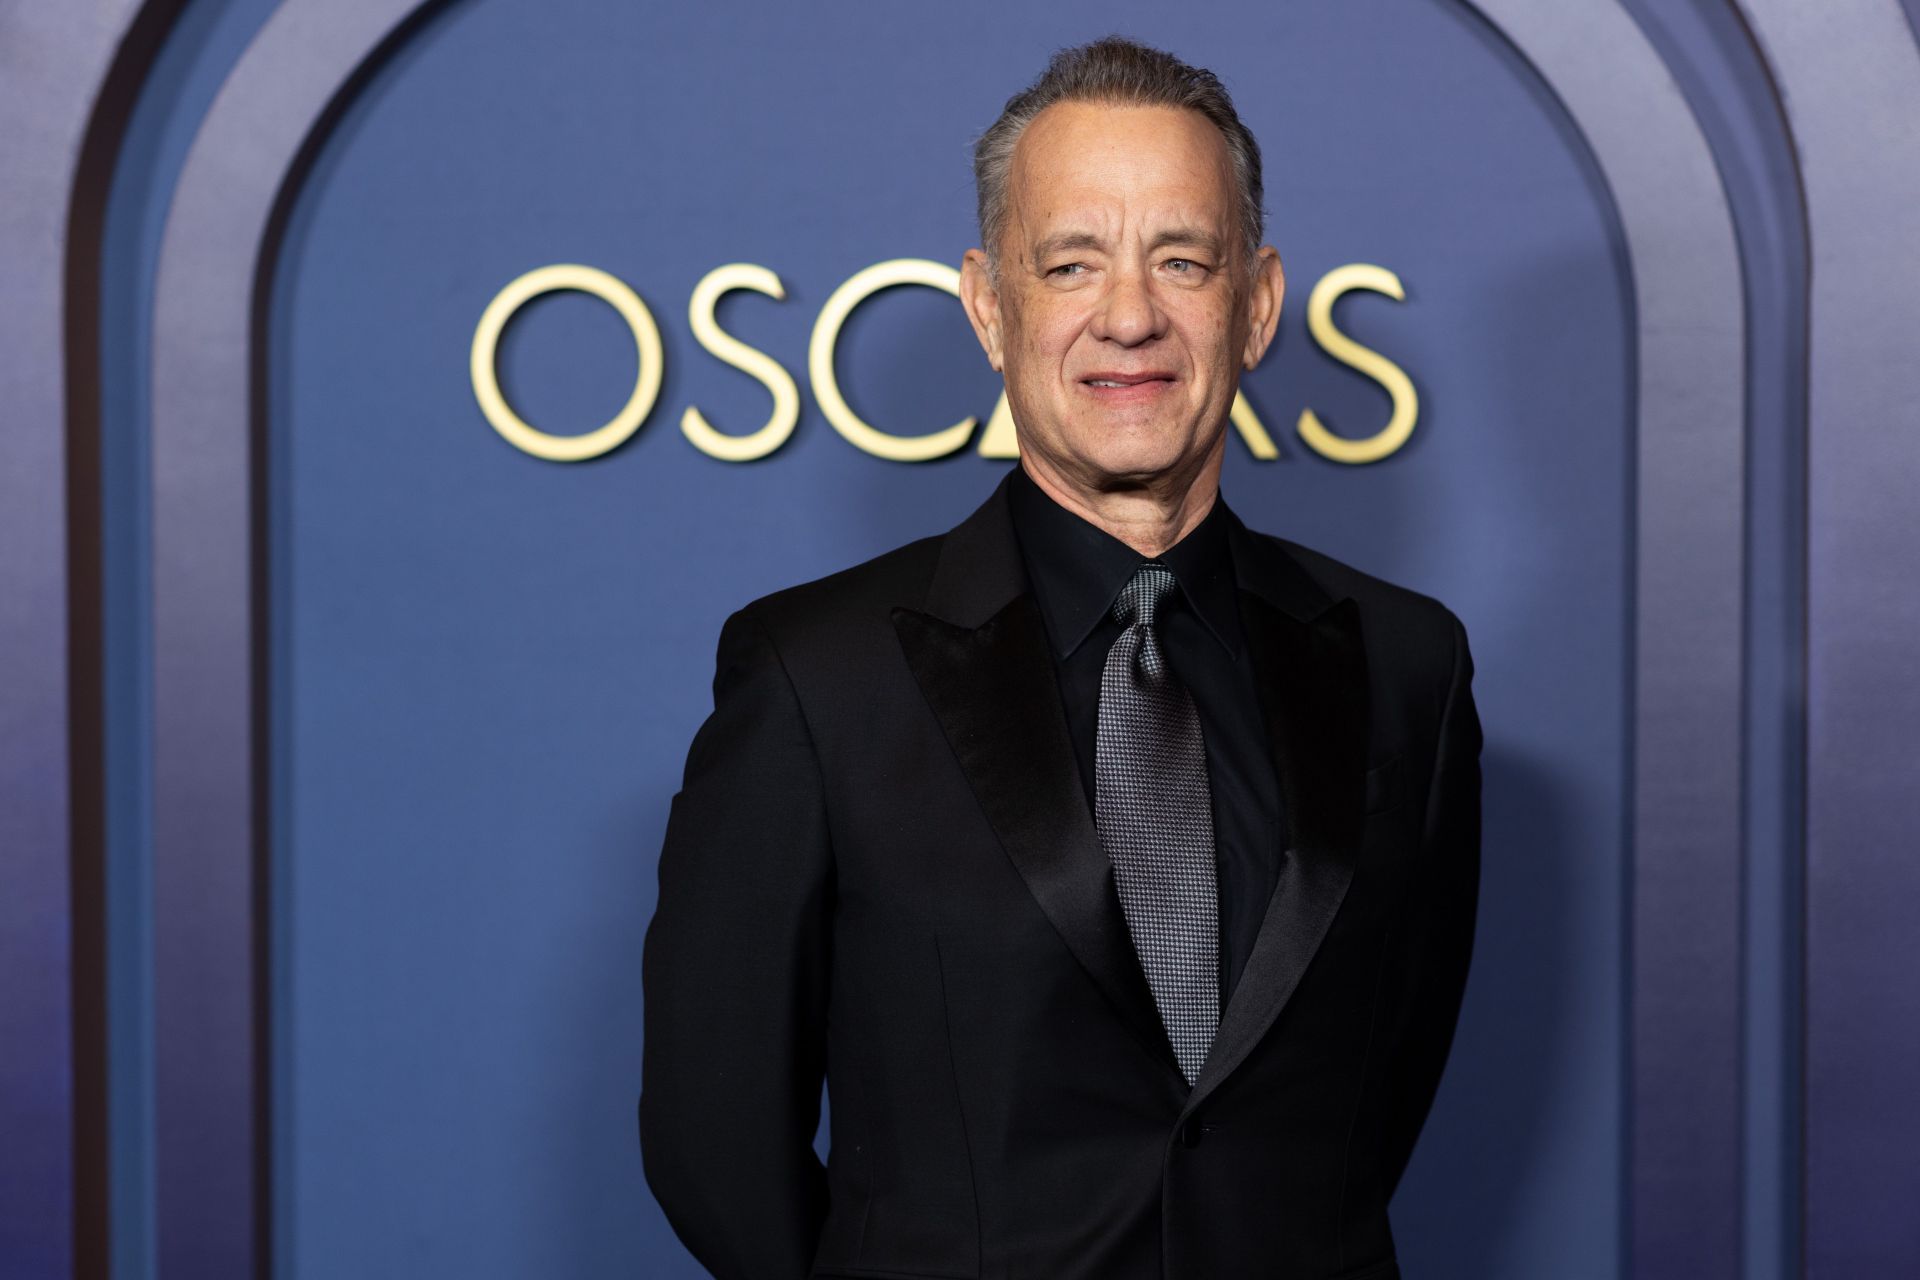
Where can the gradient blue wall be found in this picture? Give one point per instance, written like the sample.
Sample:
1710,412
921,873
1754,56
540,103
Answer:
484,668
492,664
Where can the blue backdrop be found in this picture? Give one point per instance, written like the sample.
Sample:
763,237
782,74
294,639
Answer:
491,665
329,873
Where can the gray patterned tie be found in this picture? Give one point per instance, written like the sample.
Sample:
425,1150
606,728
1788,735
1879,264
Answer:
1153,809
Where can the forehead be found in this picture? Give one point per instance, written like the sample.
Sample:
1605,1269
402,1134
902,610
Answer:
1095,160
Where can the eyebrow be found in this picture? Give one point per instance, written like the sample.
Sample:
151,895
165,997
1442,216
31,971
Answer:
1071,240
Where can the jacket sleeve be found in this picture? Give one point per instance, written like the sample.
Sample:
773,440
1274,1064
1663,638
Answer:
1437,936
734,972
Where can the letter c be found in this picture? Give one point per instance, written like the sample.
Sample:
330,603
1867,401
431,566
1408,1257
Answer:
826,387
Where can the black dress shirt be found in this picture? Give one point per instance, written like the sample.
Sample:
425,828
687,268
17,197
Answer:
1077,570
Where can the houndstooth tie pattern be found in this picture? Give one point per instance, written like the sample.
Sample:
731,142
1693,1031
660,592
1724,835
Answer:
1153,808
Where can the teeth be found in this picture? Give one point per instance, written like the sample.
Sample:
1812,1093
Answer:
1098,382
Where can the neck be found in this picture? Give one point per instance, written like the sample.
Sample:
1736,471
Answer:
1148,516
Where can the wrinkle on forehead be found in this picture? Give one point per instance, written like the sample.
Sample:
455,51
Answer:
1100,171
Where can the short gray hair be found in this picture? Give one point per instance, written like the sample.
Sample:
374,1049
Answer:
1120,72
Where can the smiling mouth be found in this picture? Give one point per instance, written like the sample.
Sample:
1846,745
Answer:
1128,387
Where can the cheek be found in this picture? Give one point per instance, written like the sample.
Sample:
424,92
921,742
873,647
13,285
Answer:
1209,341
1047,338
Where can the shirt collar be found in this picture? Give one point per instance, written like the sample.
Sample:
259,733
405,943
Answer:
1078,568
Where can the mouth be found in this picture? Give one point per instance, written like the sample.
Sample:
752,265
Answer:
1115,387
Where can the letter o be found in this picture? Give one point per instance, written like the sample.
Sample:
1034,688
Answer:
486,381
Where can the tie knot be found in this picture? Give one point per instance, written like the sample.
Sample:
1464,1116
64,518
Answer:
1139,600
1134,609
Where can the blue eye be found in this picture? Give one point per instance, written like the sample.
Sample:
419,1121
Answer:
1064,267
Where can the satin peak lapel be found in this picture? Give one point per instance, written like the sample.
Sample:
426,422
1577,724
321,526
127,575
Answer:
991,685
1311,669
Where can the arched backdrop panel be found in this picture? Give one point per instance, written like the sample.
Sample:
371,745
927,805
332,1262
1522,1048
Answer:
486,667
417,699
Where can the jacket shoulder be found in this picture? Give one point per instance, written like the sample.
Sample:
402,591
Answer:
1396,619
857,596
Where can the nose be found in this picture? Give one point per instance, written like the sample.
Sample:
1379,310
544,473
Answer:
1128,312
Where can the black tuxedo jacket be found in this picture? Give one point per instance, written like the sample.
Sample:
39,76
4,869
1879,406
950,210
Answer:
881,867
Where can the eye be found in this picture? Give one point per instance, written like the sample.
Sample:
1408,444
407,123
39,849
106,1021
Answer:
1184,266
1065,268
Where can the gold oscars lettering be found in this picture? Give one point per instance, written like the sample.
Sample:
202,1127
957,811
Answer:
996,440
756,364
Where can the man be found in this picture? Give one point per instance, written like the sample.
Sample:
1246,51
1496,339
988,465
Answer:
1115,864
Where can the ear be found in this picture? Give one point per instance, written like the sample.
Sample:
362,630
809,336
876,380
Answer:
982,303
1263,305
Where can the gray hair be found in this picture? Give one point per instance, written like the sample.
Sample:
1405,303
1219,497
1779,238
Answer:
1120,72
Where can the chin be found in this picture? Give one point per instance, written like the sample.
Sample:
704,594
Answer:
1134,460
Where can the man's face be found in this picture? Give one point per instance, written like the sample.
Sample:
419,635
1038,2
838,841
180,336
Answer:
1124,309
